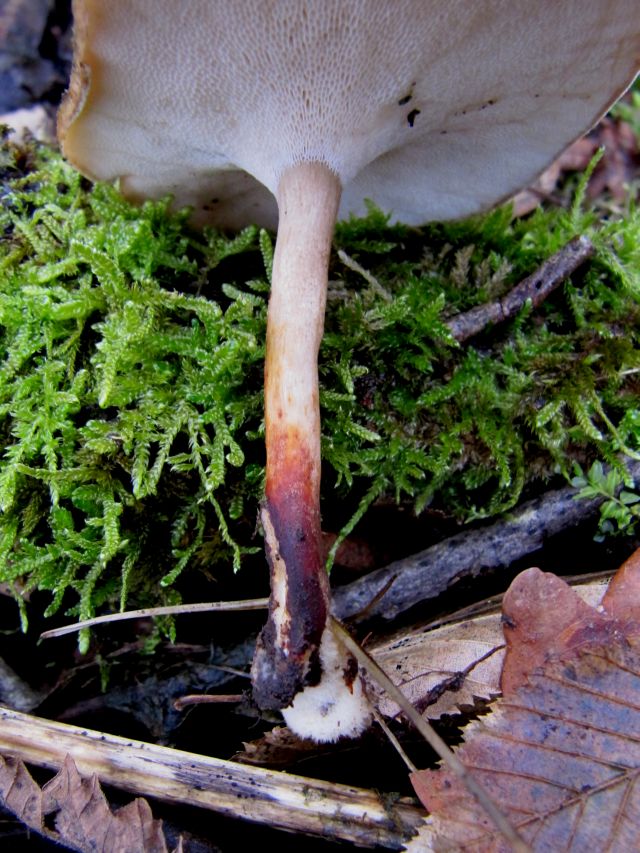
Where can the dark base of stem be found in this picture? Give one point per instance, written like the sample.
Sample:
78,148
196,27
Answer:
277,677
287,657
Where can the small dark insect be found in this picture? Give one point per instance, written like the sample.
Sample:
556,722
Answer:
412,117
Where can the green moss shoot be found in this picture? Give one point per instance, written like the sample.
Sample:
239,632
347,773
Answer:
131,353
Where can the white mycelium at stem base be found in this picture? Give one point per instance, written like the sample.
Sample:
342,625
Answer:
337,706
289,657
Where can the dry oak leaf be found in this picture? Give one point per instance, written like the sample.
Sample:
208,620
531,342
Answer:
620,163
560,752
83,818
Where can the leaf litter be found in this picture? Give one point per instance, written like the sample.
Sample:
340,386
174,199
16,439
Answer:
83,818
560,751
451,667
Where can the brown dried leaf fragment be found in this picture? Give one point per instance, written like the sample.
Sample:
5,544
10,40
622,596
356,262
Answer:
620,163
453,666
562,756
622,598
544,618
20,794
575,158
539,612
279,747
561,751
617,169
83,818
440,671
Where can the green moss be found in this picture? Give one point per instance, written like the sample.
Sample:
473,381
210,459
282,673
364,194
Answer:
131,353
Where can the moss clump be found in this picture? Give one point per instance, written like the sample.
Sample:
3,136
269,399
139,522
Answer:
131,353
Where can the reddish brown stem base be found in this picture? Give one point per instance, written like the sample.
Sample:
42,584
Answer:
287,655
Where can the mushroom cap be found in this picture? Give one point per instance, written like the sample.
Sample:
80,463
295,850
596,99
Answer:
433,110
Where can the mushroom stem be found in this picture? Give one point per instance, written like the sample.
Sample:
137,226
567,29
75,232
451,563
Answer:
287,654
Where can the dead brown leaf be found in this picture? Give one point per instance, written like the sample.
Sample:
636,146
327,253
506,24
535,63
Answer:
453,666
622,598
561,751
543,617
540,613
443,670
616,170
619,165
83,818
276,748
354,552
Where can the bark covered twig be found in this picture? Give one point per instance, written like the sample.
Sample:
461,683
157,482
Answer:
422,577
534,289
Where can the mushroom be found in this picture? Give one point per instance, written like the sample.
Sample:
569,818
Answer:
296,111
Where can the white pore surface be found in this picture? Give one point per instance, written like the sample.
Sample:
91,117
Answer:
433,109
331,709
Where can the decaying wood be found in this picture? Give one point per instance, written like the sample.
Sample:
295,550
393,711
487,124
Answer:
534,289
391,590
280,800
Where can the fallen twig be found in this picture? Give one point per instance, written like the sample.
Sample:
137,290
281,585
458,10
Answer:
281,800
426,575
169,610
534,288
207,699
